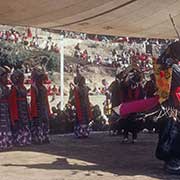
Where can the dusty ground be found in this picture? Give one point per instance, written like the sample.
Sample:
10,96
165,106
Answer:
99,157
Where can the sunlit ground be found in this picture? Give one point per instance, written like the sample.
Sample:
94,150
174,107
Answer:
100,157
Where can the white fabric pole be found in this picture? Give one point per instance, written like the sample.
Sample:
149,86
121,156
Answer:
62,70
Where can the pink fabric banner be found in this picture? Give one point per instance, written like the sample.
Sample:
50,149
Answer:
138,106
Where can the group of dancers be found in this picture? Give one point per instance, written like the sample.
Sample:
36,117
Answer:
22,124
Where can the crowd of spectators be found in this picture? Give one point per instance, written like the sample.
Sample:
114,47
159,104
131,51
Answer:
114,39
117,57
129,48
28,39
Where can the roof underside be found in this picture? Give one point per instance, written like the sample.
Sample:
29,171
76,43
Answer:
135,18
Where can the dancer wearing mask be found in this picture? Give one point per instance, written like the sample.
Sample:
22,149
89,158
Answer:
5,124
40,111
81,102
20,115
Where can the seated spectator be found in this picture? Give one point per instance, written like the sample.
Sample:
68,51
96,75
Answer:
12,38
56,49
54,92
1,34
29,33
77,47
105,85
8,34
70,68
114,52
85,55
96,91
16,36
25,41
52,46
46,46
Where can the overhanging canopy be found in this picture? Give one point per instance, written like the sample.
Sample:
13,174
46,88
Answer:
138,18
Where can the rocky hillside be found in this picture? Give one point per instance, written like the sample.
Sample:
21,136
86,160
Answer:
19,53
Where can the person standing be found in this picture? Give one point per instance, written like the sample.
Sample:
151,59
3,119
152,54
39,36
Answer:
83,109
19,110
134,92
54,92
116,90
40,111
5,124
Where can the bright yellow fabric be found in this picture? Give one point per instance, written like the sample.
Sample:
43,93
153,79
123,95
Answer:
163,83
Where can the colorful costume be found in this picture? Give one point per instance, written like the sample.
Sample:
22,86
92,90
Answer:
5,124
20,115
81,128
168,148
39,110
82,105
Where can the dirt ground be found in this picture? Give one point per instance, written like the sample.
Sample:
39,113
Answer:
99,157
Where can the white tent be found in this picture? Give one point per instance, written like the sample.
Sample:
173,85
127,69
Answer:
139,18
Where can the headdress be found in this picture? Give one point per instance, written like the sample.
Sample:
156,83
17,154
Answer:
38,74
16,75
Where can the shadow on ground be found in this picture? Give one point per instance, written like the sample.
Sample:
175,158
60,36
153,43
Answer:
103,154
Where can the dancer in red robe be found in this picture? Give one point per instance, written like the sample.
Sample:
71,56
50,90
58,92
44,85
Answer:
19,110
40,111
83,109
5,124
